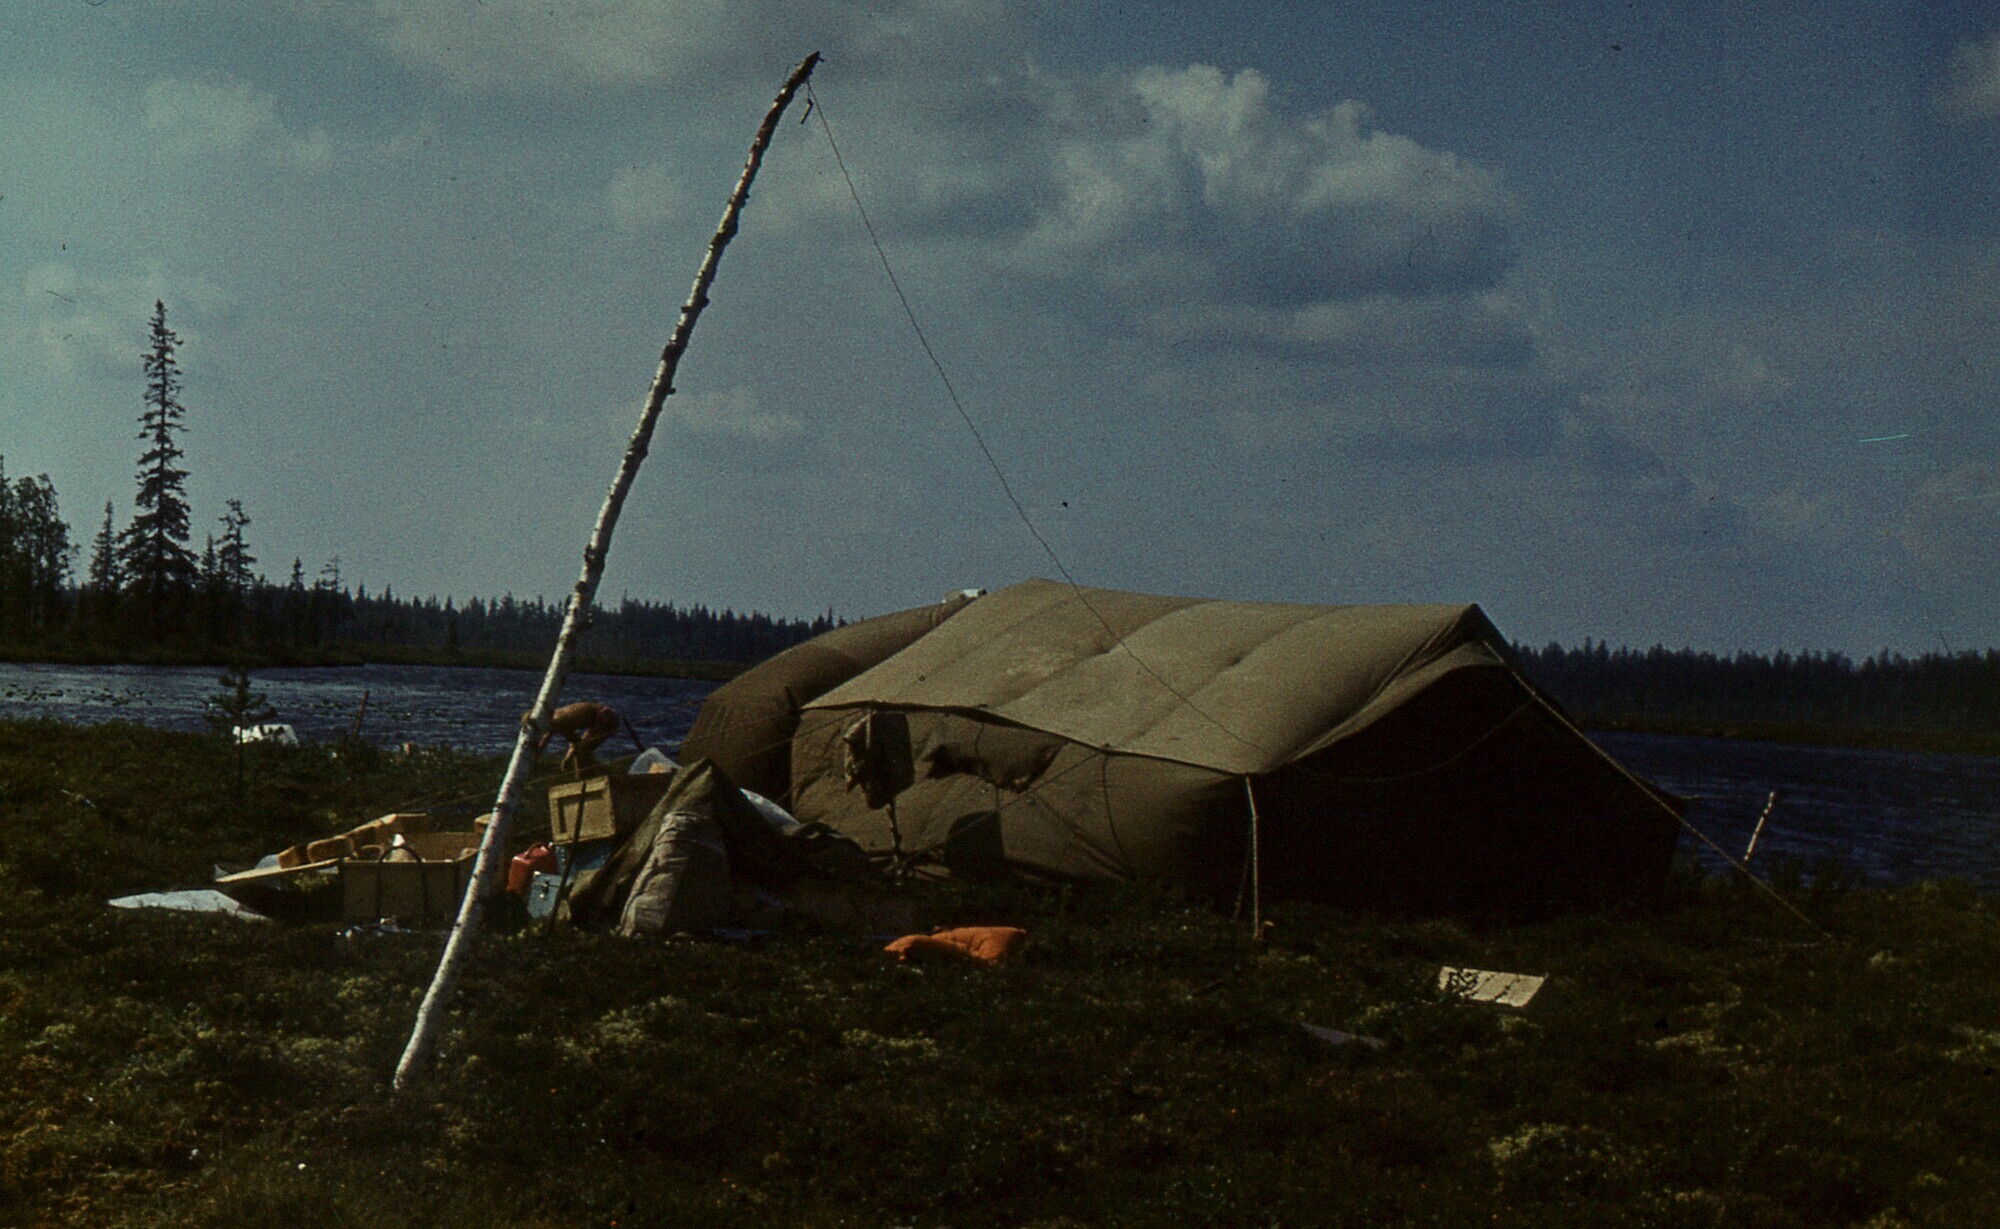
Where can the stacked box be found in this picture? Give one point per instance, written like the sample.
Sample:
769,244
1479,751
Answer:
602,807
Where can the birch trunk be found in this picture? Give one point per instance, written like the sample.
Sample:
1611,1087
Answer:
492,849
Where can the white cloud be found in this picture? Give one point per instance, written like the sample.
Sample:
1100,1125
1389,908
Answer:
733,413
227,116
1970,90
531,46
73,322
519,45
1193,187
1325,276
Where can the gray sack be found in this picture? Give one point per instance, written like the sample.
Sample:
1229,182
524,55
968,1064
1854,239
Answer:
682,885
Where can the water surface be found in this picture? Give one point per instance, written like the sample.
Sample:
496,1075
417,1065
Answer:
1897,816
473,708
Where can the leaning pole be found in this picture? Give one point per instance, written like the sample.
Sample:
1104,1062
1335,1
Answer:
485,870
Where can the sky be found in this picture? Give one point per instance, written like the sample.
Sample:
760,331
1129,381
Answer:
1664,323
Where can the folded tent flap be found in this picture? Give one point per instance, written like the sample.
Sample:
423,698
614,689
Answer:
1009,756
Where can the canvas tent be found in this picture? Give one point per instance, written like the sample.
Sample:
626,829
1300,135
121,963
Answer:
746,726
1392,755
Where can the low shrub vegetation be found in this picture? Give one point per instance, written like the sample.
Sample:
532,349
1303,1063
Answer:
1709,1061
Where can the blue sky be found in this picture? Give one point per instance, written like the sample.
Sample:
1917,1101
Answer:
1664,323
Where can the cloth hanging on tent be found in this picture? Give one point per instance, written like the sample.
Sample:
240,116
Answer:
877,757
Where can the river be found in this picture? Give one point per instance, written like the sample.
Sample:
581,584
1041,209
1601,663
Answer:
476,709
1896,816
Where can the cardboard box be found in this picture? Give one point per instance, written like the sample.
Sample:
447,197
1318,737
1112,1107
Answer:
600,807
423,879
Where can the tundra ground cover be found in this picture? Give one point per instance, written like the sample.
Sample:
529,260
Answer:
1709,1062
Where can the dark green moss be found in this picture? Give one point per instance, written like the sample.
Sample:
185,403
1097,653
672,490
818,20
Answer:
1712,1061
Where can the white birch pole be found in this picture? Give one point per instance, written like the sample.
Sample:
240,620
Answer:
492,849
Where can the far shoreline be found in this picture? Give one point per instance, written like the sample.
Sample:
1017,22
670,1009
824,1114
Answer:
1792,733
366,655
1796,733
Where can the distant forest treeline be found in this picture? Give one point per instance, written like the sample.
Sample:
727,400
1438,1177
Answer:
629,629
219,607
301,619
1935,691
146,593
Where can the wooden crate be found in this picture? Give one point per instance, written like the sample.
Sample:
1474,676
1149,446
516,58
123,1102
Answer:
600,807
375,832
424,880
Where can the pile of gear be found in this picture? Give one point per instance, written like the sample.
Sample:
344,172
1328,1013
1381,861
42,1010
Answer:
666,850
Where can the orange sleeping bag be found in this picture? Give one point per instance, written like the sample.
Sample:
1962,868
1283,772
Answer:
988,945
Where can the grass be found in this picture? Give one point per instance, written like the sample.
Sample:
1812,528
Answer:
1709,1062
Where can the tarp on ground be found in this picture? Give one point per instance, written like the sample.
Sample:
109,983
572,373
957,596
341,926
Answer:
1393,755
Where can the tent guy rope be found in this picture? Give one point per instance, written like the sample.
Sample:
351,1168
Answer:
992,463
492,849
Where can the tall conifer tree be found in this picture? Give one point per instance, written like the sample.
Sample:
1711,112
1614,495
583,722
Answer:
153,552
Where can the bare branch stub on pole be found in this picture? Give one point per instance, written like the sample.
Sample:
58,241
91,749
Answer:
492,849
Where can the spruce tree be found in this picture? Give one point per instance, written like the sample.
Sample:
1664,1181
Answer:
102,578
41,540
153,552
294,611
233,558
213,594
13,562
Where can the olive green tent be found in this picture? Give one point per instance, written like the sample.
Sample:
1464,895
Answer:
746,725
1373,755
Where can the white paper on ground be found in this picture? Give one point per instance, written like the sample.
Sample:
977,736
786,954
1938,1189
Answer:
1487,986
